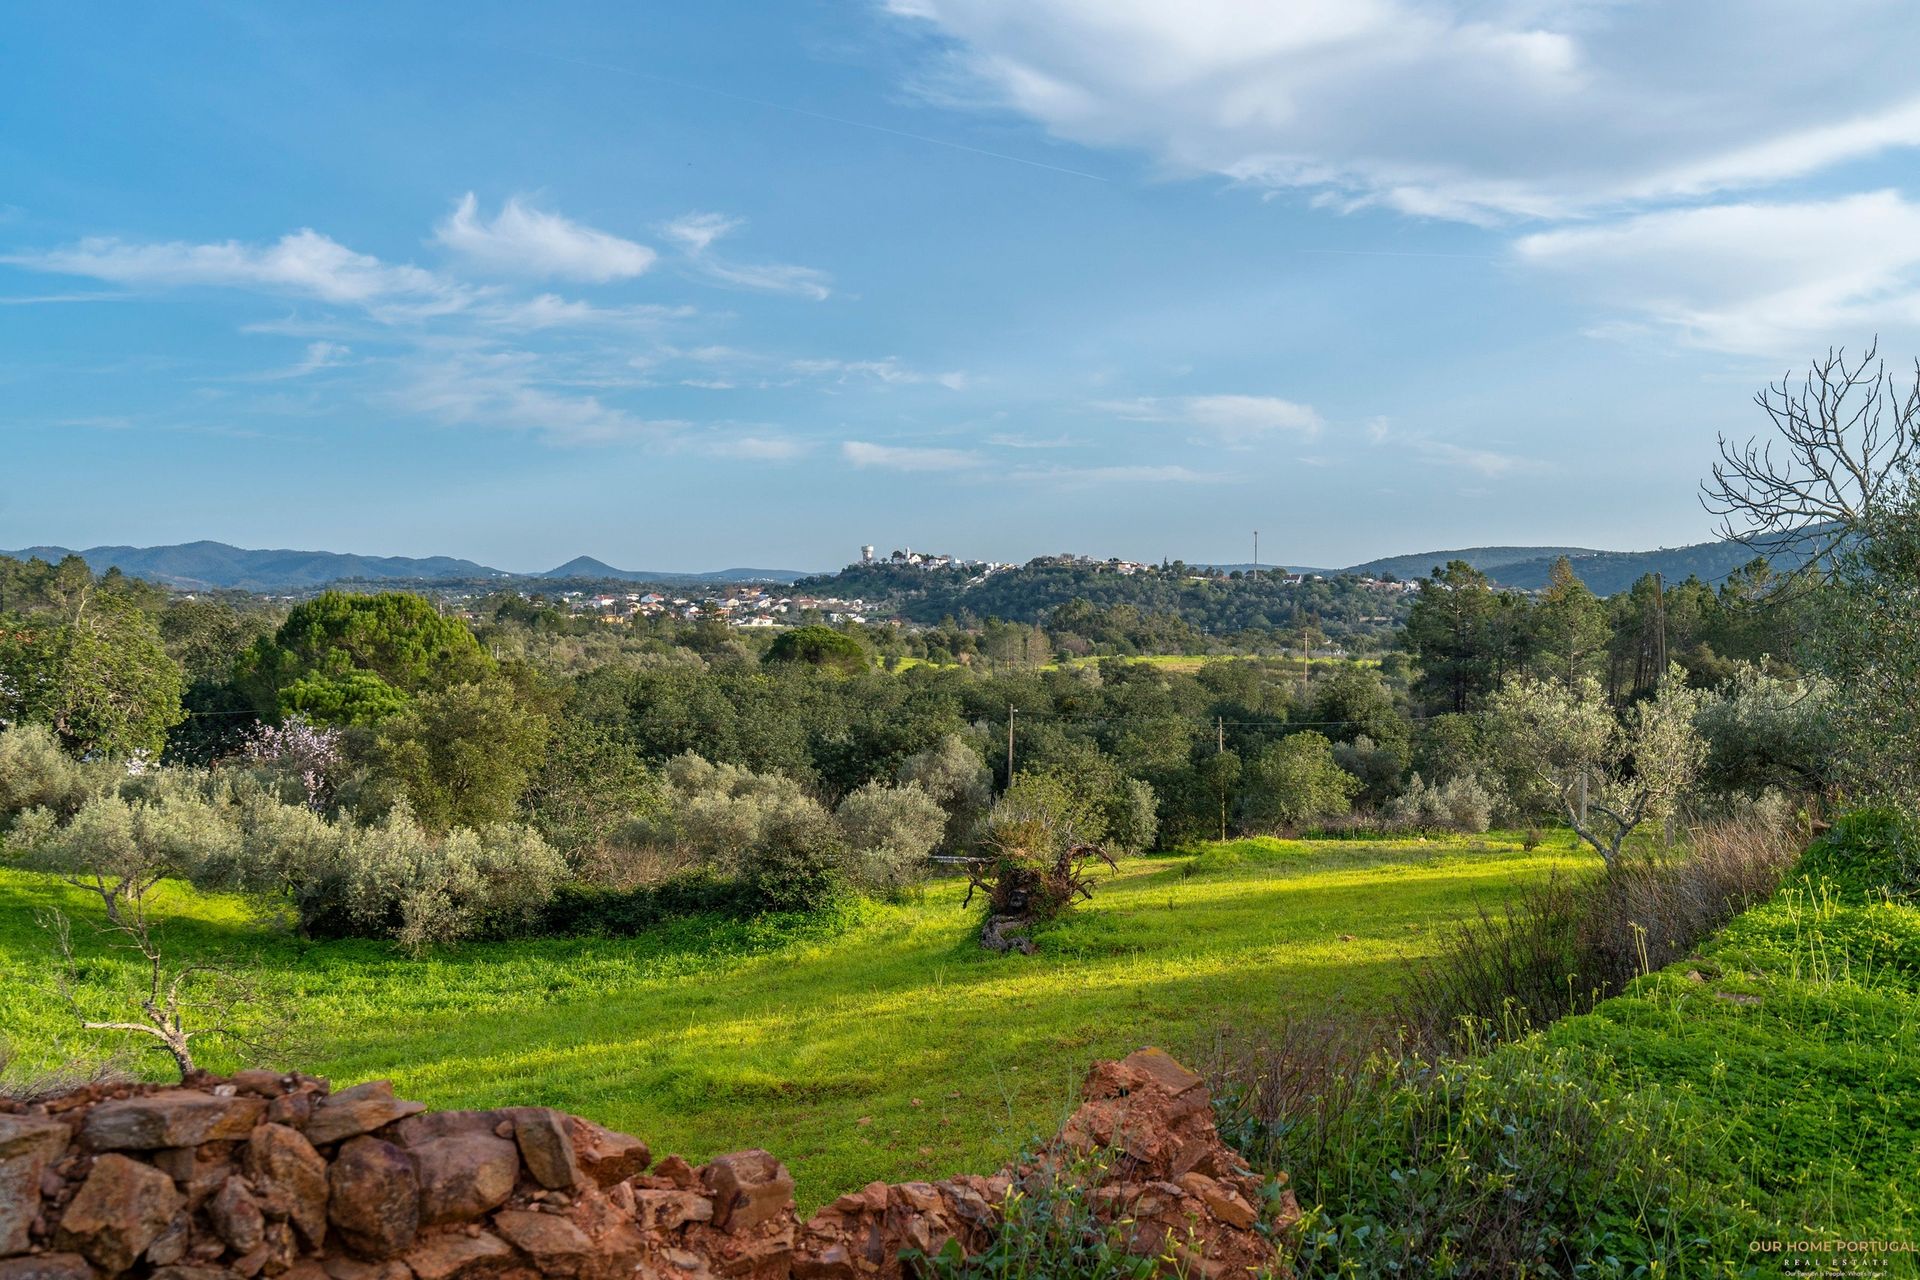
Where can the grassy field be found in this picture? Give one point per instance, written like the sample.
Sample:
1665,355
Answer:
884,1046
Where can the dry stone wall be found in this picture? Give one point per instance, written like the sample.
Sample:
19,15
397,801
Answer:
263,1174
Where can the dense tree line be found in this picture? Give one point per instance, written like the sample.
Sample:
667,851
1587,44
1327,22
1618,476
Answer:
1258,610
526,749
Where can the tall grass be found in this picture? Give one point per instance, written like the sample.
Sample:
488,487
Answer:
1761,1090
1508,1163
1565,944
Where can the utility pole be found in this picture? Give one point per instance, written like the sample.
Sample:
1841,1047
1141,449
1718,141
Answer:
1256,551
1660,628
1010,714
1306,661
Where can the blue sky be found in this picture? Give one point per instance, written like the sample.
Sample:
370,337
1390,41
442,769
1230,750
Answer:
687,286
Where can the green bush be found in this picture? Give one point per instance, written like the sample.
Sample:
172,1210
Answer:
1869,851
889,833
797,863
36,774
1049,1231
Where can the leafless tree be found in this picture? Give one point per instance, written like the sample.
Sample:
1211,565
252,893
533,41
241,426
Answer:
177,1004
1844,439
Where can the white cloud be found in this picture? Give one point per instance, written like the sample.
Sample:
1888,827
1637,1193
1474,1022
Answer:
1449,108
759,448
319,355
530,242
1145,473
696,233
505,390
1759,279
551,311
1486,462
1230,419
889,371
861,453
304,262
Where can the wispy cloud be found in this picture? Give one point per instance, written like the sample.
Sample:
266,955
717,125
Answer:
319,355
1487,462
887,457
551,311
1228,419
889,371
1145,473
505,390
696,233
524,241
759,448
302,263
1448,109
1767,279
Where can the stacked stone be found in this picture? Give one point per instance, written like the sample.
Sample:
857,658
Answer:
263,1174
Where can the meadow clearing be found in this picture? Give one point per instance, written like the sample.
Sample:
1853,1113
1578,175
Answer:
880,1042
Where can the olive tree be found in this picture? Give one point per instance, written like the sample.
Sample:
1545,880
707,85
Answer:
889,833
1605,773
1296,780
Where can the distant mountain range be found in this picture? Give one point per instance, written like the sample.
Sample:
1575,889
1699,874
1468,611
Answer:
210,566
586,568
1604,572
206,566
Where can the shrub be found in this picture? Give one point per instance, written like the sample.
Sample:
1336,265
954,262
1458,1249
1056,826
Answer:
1869,852
1048,1230
1565,944
796,865
398,880
36,774
1517,1162
1296,780
953,773
120,848
889,833
625,913
1462,804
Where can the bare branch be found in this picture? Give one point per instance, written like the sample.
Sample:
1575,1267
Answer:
1845,435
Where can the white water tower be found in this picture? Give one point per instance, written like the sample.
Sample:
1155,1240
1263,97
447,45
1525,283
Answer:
866,554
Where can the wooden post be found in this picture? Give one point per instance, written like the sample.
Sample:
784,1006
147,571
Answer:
1010,714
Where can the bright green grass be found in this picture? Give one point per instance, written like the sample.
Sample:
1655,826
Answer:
1791,1047
889,1048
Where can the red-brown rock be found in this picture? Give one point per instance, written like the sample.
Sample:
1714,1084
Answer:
605,1156
748,1188
197,1171
668,1209
283,1165
120,1209
355,1111
169,1118
440,1257
464,1176
546,1146
236,1216
373,1197
46,1266
551,1242
28,1144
